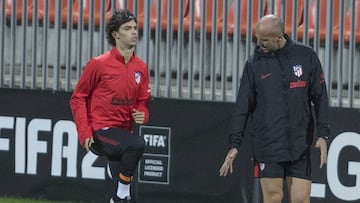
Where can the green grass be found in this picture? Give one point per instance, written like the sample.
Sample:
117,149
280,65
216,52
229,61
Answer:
24,200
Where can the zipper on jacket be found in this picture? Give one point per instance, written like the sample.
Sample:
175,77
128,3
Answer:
285,95
127,88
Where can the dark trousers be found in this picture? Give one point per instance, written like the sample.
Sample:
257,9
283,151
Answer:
122,149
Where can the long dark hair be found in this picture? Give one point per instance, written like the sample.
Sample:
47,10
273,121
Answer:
117,19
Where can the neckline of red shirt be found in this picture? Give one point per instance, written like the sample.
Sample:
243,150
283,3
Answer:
120,57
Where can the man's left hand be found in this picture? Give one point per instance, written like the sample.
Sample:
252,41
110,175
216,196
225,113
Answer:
322,145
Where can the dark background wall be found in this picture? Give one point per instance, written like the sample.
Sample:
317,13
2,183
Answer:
41,158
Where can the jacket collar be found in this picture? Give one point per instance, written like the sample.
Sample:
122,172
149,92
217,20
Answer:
120,57
284,50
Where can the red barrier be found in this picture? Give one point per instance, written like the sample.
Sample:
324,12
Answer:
208,16
322,25
288,13
347,22
243,16
19,8
164,13
96,9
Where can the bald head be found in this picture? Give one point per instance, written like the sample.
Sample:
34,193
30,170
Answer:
270,25
270,33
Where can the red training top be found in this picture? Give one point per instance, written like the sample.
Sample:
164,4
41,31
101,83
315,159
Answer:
108,91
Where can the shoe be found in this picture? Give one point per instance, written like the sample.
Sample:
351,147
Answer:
116,199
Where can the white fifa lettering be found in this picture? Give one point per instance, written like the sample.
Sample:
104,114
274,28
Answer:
20,145
154,140
28,146
35,146
88,170
59,151
5,123
348,193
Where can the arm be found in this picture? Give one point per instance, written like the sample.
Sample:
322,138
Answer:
141,109
244,105
321,105
79,100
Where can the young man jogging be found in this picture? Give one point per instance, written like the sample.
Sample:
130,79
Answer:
111,95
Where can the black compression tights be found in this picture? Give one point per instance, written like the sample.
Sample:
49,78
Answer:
123,150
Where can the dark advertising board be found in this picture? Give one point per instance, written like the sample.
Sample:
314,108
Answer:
155,164
186,142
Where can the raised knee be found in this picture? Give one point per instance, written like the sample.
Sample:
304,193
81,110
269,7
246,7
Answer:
139,145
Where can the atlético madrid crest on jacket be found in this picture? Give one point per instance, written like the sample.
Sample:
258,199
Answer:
298,70
137,76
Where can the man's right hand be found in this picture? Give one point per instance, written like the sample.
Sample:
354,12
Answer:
87,143
228,163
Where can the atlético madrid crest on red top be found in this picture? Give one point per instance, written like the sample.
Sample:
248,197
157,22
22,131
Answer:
137,76
298,70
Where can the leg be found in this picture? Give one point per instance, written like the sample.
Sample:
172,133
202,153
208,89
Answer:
299,190
126,165
271,180
298,180
272,189
123,151
132,155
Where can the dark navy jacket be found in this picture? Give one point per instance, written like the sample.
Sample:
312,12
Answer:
277,92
